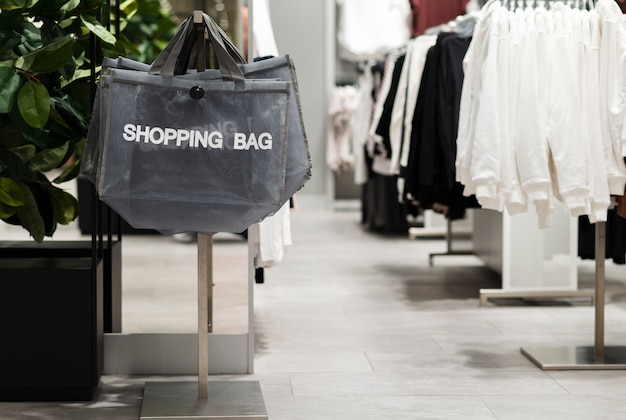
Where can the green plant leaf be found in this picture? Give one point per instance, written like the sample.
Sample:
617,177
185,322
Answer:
97,28
9,86
64,206
6,211
69,6
29,215
71,111
8,40
48,159
129,7
55,116
13,4
31,35
69,173
25,153
128,45
33,102
11,193
78,74
65,23
48,58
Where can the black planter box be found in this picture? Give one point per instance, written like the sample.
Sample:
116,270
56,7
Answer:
52,329
111,262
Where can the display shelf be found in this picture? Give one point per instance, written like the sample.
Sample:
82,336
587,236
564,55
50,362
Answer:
533,262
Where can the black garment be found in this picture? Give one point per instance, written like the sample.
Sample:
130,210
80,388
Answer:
450,83
384,122
380,209
615,247
430,176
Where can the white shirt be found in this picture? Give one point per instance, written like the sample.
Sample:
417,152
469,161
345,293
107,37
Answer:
339,157
612,76
486,153
404,104
601,194
371,28
472,85
565,117
360,121
419,49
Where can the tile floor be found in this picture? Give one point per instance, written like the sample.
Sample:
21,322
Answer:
354,325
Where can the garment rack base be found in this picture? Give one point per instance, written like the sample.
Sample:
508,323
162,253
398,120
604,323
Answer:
576,357
486,294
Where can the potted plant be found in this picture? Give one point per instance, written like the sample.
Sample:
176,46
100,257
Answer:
50,51
45,74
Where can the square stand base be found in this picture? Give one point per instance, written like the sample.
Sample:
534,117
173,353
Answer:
228,400
576,358
535,294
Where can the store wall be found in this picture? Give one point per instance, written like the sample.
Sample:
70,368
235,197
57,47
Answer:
305,31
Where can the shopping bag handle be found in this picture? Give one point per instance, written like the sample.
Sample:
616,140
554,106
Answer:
170,61
219,33
174,59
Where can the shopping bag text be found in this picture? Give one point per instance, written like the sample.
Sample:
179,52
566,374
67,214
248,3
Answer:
194,138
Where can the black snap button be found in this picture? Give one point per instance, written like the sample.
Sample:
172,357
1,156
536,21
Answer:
196,92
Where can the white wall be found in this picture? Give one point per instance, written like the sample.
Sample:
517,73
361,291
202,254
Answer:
305,31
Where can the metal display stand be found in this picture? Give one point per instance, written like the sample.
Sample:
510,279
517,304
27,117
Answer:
597,357
218,400
449,250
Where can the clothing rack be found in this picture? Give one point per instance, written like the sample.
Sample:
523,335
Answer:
528,286
598,356
449,250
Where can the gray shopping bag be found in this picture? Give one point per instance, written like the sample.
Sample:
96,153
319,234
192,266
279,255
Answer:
204,152
175,60
190,155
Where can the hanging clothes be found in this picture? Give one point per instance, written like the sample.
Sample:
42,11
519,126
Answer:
542,109
417,98
369,29
264,42
381,143
272,235
339,156
271,238
615,247
361,118
404,103
402,123
429,177
380,209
